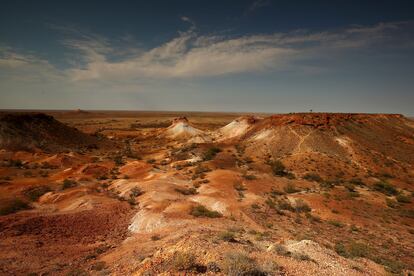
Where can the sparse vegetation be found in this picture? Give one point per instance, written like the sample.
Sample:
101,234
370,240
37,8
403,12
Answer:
313,177
136,191
301,256
228,236
186,191
301,206
290,188
118,160
357,249
211,153
278,168
34,193
17,163
282,250
240,189
202,211
336,223
402,198
238,263
184,261
67,183
385,188
352,250
249,176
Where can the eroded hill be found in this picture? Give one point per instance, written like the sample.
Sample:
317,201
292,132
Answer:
22,131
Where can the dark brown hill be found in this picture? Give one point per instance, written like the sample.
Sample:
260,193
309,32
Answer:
30,131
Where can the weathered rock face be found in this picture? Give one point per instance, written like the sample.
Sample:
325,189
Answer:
181,129
357,139
28,131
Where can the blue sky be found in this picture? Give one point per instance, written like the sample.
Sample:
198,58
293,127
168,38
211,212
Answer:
254,56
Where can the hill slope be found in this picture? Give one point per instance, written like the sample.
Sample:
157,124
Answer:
23,131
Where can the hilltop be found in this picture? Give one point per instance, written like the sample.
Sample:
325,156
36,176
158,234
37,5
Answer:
30,131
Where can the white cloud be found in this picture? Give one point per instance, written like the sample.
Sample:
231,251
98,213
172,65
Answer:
190,55
24,67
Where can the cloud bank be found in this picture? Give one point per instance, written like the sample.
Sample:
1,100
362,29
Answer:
191,55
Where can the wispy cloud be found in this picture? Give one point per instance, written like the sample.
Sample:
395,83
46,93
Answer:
257,4
191,55
26,67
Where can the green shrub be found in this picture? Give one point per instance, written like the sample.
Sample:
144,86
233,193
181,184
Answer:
392,266
260,236
313,218
15,163
239,187
238,263
211,153
301,256
282,250
14,206
136,191
353,194
228,236
357,181
357,249
118,160
131,200
184,261
186,191
249,177
385,188
336,223
98,266
200,169
202,211
67,183
403,198
350,187
341,250
34,193
278,168
313,177
284,205
290,188
353,250
301,206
